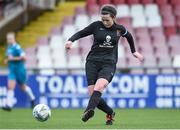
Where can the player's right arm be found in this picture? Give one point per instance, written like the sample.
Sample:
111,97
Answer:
80,34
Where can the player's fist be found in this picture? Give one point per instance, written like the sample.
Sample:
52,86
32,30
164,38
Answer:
68,45
138,55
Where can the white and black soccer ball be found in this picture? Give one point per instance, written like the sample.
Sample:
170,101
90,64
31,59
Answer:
41,112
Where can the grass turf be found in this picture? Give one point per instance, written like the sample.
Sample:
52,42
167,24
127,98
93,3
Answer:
70,119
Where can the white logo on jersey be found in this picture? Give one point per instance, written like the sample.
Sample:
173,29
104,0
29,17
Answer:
101,28
108,41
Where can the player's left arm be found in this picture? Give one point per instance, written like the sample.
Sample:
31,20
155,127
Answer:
125,33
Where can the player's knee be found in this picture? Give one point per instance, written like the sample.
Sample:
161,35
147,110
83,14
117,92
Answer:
101,85
11,84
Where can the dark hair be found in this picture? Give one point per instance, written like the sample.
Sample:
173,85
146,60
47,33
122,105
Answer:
108,9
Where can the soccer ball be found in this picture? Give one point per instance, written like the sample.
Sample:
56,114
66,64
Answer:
41,112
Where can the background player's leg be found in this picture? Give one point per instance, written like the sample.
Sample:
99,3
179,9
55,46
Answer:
102,104
10,92
29,92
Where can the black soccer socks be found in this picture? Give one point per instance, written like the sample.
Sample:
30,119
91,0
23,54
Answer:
104,107
94,100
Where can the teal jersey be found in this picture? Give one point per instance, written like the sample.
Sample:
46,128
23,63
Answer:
15,51
17,69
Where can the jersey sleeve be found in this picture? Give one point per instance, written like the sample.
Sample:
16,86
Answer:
125,33
123,30
84,32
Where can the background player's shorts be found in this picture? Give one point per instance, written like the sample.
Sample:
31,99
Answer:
17,74
96,70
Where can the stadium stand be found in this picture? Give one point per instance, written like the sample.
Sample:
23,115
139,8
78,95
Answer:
155,25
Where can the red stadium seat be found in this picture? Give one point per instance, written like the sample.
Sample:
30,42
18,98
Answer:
175,2
130,2
93,9
161,2
170,30
166,10
91,2
117,2
147,1
177,10
102,2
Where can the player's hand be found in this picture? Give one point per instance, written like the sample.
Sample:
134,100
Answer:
68,45
10,58
138,55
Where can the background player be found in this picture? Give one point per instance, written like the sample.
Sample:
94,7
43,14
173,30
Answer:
17,71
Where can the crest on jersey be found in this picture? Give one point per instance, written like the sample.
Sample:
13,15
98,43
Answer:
118,32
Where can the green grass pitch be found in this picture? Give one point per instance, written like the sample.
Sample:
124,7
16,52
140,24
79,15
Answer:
71,119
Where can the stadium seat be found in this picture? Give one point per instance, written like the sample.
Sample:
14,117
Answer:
55,31
121,63
136,23
154,21
176,61
93,9
177,10
68,20
102,2
78,21
161,2
118,2
146,1
167,71
132,62
151,10
152,71
42,41
132,2
68,31
123,11
149,62
94,18
56,41
74,62
137,10
164,61
175,2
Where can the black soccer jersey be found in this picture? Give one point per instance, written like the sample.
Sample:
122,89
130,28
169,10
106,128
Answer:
105,45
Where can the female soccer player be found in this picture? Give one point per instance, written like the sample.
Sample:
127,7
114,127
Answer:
102,58
17,71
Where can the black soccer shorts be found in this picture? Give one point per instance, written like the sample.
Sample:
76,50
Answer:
96,70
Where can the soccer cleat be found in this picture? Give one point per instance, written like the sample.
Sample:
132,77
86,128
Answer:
32,103
109,119
6,108
87,115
